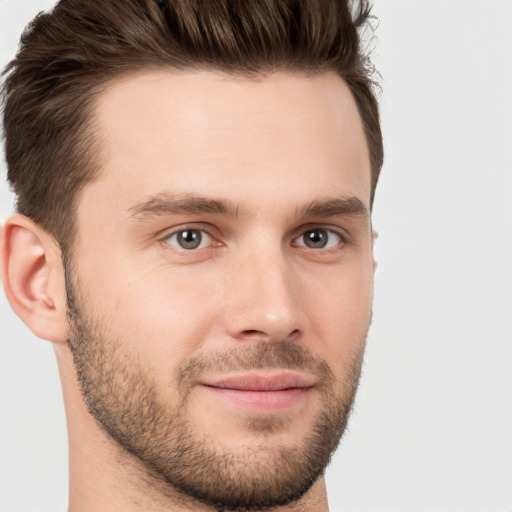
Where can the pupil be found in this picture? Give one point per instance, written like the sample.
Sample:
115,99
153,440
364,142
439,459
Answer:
316,239
189,239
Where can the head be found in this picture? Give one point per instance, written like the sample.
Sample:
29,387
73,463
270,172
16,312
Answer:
205,172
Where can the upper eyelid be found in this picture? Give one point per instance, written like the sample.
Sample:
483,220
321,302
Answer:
342,238
164,240
216,234
169,231
342,233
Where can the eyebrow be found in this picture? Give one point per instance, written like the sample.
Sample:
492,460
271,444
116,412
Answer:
340,206
170,204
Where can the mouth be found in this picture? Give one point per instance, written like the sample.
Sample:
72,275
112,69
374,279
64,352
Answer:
262,391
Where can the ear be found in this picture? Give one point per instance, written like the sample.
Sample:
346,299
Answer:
33,278
375,235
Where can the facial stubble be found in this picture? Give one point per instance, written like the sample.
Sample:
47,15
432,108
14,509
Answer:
124,399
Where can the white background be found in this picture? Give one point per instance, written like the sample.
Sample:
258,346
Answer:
432,427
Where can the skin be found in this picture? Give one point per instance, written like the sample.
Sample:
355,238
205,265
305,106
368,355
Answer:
270,147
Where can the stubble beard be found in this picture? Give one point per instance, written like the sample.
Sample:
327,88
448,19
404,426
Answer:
125,401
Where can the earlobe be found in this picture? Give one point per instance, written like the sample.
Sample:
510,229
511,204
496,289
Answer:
375,235
33,278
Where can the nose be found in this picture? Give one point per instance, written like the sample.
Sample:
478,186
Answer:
264,299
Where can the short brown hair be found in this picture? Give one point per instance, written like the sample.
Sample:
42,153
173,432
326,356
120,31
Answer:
69,54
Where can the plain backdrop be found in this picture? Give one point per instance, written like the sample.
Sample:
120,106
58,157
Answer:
432,426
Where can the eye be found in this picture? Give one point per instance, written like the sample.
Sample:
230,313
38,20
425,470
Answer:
318,238
189,239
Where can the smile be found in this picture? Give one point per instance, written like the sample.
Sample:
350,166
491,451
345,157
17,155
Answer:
262,392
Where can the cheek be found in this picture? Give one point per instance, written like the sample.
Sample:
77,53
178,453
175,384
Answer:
340,307
164,316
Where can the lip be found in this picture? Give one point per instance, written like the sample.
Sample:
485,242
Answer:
261,391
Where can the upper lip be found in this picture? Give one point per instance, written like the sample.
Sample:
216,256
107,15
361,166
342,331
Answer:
260,381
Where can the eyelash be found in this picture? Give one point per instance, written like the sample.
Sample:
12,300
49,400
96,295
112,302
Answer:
201,229
343,240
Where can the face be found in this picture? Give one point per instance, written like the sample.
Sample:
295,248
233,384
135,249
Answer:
220,287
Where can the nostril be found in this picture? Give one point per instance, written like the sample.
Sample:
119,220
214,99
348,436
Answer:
293,335
253,332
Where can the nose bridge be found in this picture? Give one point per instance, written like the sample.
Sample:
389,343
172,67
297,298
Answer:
265,296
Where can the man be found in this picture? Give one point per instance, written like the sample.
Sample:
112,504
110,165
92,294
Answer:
194,185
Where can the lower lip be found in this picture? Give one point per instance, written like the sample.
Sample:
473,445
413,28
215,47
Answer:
262,400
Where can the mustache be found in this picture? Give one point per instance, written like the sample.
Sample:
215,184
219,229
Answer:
257,356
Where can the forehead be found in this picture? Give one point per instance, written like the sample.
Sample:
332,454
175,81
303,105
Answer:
218,135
